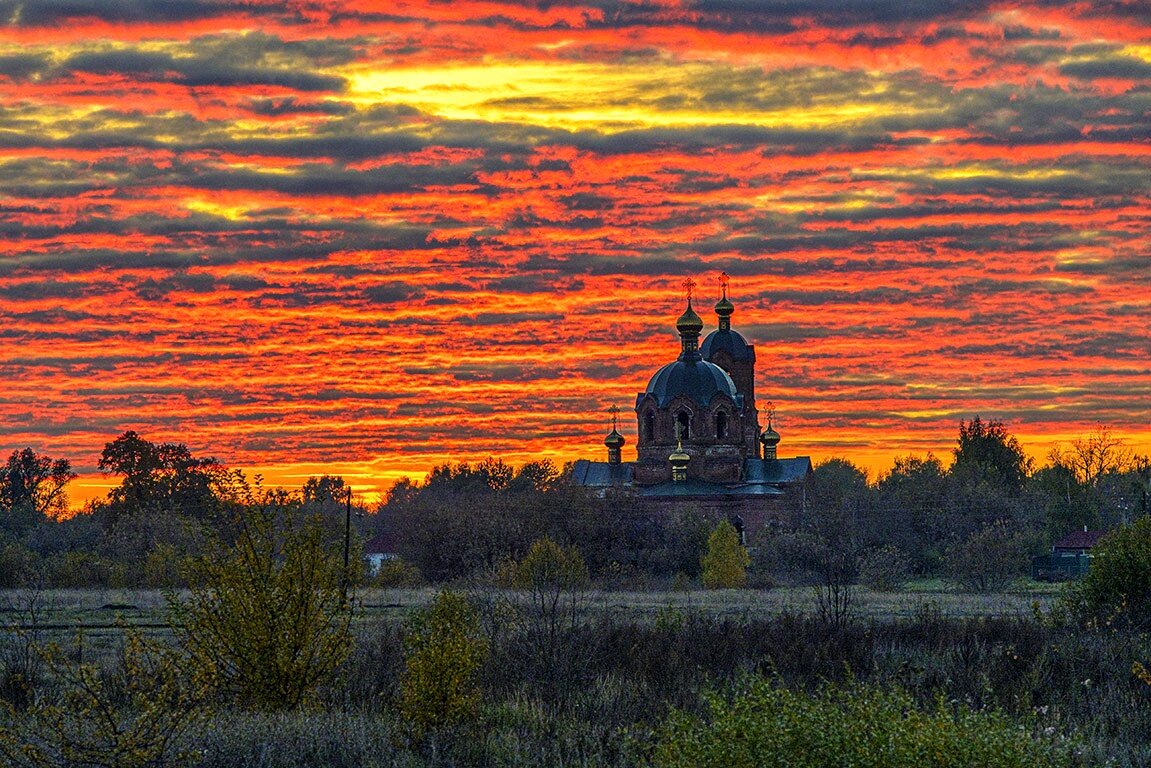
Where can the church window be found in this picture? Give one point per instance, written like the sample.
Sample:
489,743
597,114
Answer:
649,426
721,424
682,420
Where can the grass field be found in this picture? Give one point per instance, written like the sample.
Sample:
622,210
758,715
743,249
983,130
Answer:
102,611
638,655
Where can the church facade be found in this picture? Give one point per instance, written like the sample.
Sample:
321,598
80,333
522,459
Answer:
700,442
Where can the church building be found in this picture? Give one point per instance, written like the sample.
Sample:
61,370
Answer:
700,442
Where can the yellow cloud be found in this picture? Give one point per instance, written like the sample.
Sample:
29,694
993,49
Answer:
576,96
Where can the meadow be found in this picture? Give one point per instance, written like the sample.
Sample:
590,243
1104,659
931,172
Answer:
606,690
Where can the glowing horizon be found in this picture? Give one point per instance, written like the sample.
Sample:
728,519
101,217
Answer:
366,238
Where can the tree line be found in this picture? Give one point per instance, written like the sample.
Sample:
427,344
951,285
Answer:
976,518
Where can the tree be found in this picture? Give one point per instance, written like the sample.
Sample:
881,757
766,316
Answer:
725,563
555,580
1095,456
264,614
88,723
987,559
988,452
158,477
913,510
32,487
1116,591
839,499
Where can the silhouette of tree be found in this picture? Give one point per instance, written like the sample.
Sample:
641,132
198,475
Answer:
32,487
987,452
158,477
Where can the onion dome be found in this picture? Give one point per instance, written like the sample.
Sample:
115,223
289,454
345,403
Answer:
725,309
723,338
770,439
614,439
689,323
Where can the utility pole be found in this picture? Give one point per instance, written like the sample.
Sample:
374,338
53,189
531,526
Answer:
347,549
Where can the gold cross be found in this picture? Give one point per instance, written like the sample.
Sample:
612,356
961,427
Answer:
688,284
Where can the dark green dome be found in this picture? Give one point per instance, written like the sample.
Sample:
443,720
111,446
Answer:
697,379
614,439
729,341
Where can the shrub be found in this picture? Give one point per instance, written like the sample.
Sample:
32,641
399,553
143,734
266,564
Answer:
444,649
397,572
725,563
763,724
884,569
987,559
264,616
1117,587
134,720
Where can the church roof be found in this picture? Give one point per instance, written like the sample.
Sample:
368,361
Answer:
697,379
601,474
761,477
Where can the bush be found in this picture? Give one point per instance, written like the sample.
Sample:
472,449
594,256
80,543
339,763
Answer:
725,563
884,569
397,572
443,651
264,617
987,559
763,724
88,723
1117,587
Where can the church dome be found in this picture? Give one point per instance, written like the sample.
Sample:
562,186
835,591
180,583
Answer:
697,379
728,341
689,322
614,439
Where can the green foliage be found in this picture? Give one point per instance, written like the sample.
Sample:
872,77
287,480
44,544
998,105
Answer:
469,518
988,452
550,567
397,572
725,563
987,559
858,726
444,649
17,564
838,496
1117,588
135,721
264,615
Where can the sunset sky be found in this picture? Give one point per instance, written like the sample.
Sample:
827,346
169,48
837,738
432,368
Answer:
365,238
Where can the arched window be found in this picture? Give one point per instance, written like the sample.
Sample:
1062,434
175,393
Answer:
721,424
649,426
682,421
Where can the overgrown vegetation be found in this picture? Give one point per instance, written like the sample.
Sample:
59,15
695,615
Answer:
855,725
264,619
724,564
259,666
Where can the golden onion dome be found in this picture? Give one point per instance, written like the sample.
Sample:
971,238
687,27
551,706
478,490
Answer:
614,439
724,308
689,322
